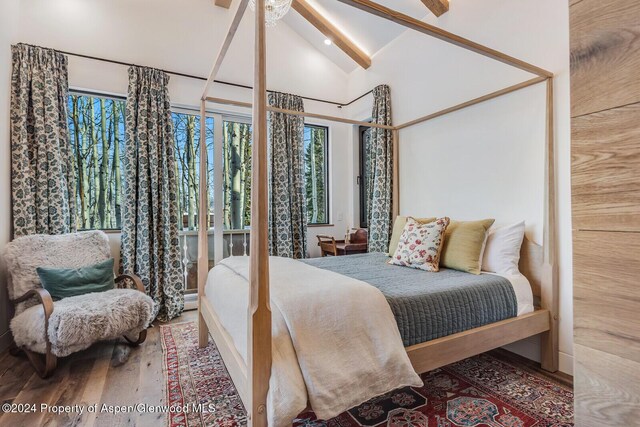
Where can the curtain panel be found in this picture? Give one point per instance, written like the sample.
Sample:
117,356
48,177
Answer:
380,173
150,242
42,170
287,204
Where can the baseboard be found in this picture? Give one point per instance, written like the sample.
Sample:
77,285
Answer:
565,363
5,341
530,348
190,302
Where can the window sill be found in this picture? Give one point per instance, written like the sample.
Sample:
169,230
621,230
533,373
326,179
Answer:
319,225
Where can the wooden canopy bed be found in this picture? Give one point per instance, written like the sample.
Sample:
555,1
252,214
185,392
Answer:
538,263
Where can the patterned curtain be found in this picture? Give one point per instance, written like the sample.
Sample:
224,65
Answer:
380,173
150,243
42,175
287,205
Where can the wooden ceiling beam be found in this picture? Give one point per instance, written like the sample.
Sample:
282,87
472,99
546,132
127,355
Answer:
225,3
437,7
330,31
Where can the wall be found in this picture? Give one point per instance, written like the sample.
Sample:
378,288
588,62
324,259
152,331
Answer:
605,110
485,161
8,13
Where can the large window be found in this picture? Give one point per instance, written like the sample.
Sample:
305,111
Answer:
96,127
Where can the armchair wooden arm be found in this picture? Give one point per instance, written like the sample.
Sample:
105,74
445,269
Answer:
45,367
122,279
327,245
132,277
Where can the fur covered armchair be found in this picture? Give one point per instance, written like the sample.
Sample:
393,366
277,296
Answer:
46,329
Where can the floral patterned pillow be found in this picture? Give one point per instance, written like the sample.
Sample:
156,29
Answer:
420,244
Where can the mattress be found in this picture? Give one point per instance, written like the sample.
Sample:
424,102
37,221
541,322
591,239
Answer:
428,305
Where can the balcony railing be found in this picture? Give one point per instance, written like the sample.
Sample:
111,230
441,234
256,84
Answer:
235,243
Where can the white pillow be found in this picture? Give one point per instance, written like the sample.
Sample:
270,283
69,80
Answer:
502,250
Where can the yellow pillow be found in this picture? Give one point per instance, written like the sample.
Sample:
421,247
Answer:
463,244
398,227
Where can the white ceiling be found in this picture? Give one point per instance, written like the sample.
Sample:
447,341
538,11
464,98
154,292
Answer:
369,32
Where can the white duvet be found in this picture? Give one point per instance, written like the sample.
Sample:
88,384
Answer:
335,340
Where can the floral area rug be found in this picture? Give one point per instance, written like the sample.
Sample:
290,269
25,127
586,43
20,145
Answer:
479,391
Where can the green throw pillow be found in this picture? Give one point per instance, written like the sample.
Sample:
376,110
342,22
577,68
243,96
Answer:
69,282
463,245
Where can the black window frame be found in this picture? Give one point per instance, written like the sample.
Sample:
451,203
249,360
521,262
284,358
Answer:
361,173
327,185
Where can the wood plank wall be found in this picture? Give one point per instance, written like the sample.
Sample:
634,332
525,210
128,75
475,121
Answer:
605,109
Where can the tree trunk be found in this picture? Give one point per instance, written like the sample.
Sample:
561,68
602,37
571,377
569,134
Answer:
226,181
191,164
95,169
75,114
103,174
235,176
117,175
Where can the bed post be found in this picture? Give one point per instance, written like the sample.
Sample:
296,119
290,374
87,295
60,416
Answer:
395,197
259,325
549,291
203,228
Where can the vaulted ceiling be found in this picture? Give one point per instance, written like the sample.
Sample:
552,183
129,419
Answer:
356,35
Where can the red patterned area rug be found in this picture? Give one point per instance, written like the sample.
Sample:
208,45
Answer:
479,391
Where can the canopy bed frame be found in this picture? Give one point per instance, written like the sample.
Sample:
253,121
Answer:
538,263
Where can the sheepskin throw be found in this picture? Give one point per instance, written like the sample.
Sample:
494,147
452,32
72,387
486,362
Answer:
73,250
78,322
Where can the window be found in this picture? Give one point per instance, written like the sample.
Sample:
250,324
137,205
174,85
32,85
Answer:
237,174
316,174
186,130
363,178
96,125
96,128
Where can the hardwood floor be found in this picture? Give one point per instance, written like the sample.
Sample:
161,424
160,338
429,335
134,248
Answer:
110,373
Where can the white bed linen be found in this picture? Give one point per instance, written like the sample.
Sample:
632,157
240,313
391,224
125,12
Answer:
522,289
335,340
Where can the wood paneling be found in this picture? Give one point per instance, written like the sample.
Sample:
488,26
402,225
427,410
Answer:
605,91
607,292
605,54
605,170
607,391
